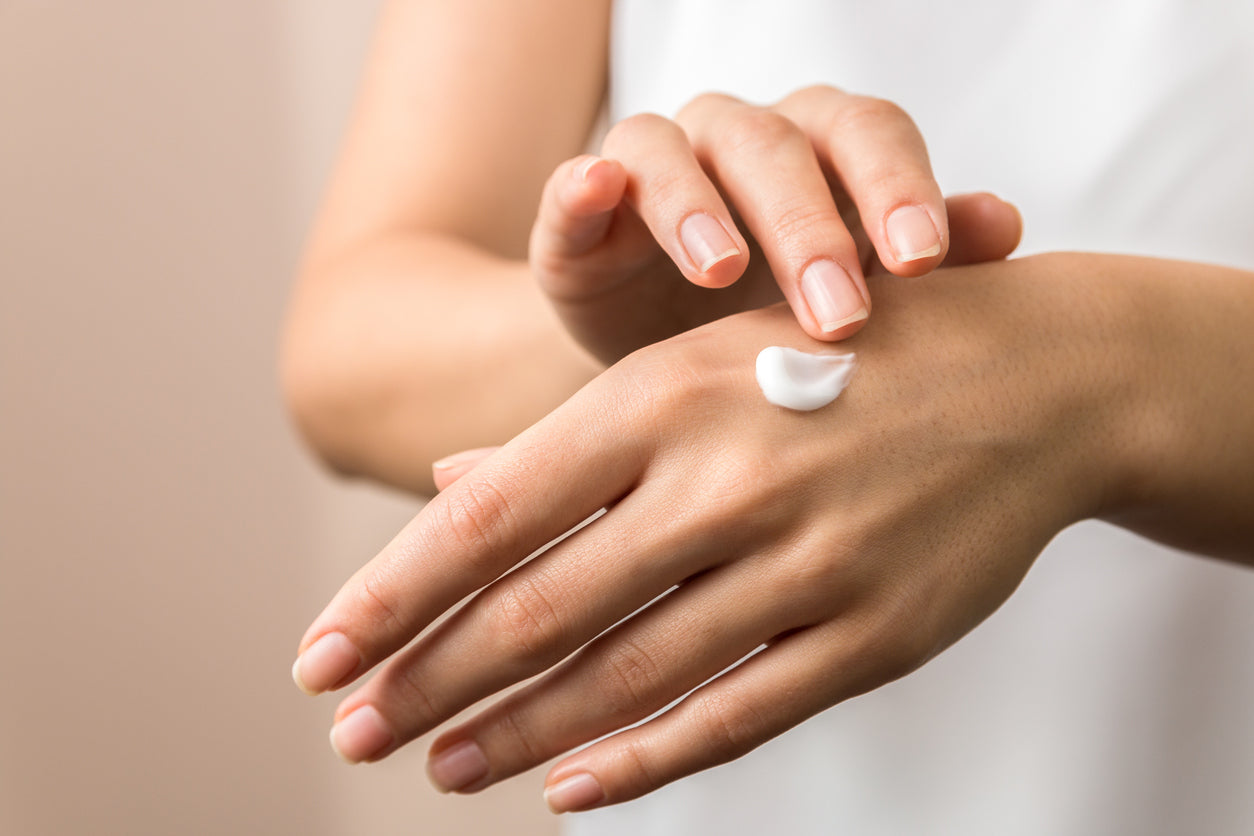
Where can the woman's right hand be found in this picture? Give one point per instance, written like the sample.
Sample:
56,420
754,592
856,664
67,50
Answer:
629,245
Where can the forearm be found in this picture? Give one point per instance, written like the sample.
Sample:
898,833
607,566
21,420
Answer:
1191,483
389,363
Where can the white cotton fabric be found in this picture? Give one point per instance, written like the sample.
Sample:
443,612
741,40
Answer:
1114,692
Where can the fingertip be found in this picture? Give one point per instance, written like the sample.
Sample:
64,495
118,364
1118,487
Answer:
915,238
600,184
983,226
584,189
724,272
1013,219
326,664
449,469
716,254
580,791
833,302
584,165
837,331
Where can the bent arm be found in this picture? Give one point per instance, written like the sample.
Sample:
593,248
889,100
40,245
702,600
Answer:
415,329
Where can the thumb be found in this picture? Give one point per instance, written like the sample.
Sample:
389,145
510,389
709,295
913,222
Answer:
575,215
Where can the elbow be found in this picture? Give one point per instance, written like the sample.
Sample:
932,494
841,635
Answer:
345,403
316,403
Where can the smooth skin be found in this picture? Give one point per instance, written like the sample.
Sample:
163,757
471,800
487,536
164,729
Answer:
989,411
616,235
995,404
421,250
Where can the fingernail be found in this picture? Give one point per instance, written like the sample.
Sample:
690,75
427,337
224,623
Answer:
324,663
832,296
578,792
361,735
449,462
706,241
457,766
911,234
582,170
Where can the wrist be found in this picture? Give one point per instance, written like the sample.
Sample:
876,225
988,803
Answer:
1124,423
1075,332
1186,460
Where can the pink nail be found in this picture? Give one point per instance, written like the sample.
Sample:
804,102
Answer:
457,767
706,242
458,459
578,792
911,234
832,296
361,735
324,663
585,168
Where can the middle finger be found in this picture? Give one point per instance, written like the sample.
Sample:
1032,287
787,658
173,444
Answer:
766,164
528,621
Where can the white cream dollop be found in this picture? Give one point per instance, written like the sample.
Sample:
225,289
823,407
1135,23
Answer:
796,380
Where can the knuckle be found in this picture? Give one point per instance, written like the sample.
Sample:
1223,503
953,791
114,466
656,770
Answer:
376,603
812,95
421,711
863,112
736,493
803,220
758,131
525,617
729,725
657,383
519,737
672,186
891,643
704,102
637,773
633,130
477,516
634,678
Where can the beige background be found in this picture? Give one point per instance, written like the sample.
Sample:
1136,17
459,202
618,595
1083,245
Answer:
164,540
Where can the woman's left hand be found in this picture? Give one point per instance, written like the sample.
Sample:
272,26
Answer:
855,542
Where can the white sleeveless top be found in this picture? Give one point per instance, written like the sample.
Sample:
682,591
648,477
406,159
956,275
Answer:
1114,692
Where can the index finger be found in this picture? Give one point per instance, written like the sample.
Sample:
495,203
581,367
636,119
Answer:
876,152
531,492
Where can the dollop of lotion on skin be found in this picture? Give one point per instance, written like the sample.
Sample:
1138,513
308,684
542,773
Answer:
796,380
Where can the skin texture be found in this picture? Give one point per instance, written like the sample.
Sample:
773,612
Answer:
608,246
858,541
421,252
994,405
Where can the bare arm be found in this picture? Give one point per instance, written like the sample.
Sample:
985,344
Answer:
415,330
1190,482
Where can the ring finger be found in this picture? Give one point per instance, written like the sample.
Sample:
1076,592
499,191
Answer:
624,676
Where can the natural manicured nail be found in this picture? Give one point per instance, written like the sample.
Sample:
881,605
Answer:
361,735
584,168
578,792
324,663
911,234
706,241
457,767
832,296
458,459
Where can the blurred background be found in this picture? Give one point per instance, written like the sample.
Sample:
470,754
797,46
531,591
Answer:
164,539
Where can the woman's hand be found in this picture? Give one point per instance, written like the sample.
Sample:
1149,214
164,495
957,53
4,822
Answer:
629,244
988,411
